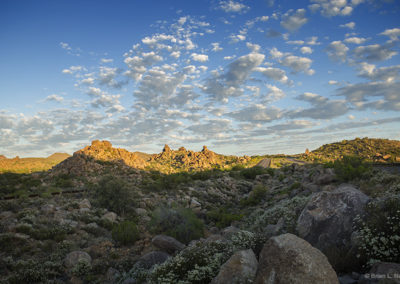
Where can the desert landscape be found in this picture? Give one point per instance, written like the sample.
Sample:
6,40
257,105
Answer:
107,215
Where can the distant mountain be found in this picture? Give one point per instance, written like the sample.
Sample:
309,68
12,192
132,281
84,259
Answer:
371,149
30,165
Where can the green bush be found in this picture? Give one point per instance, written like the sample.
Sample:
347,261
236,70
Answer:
255,197
251,173
222,217
179,223
379,231
125,233
349,168
115,195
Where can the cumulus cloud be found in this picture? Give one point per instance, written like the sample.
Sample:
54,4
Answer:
293,20
295,63
393,34
216,47
233,7
107,60
388,74
355,40
223,86
322,107
306,50
138,64
274,74
385,94
337,50
199,57
350,25
331,8
73,69
54,98
374,52
256,113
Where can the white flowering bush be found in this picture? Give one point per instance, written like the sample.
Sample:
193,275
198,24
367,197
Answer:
199,263
379,231
288,209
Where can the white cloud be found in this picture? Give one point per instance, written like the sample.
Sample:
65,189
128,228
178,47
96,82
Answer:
274,74
54,98
223,86
107,60
216,47
274,93
306,50
374,52
387,74
322,108
393,34
350,25
176,54
337,50
138,64
355,40
293,20
237,38
73,69
333,82
233,7
256,113
298,64
199,57
331,8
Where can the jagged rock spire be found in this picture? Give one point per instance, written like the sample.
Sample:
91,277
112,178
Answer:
166,149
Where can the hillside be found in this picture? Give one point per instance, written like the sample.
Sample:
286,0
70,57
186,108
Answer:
371,149
30,165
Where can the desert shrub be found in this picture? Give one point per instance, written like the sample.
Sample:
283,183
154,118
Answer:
115,195
251,173
255,197
288,209
196,264
64,181
238,167
50,231
31,271
81,269
125,233
349,168
179,223
222,217
379,230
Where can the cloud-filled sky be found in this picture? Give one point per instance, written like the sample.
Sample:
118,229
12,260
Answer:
242,77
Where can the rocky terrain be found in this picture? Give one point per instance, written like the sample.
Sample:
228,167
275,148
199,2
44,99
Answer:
373,150
106,215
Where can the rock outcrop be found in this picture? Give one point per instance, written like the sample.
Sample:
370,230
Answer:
326,222
167,244
289,259
241,267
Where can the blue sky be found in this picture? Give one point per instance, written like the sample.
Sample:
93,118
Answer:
242,77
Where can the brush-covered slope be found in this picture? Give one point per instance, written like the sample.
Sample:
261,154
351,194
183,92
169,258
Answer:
371,149
29,165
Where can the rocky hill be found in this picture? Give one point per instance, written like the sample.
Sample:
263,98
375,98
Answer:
30,165
371,149
168,161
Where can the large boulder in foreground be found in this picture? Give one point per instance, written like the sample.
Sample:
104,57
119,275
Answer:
288,259
327,219
240,268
